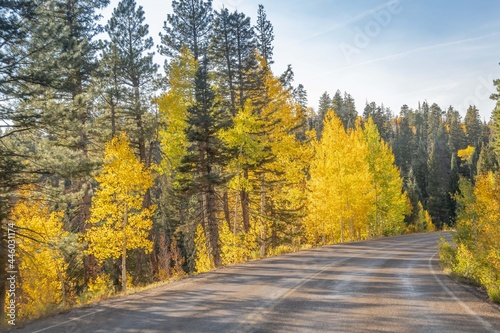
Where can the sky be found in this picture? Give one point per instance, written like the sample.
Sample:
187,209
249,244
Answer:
390,52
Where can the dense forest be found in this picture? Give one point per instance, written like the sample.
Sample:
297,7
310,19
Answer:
116,173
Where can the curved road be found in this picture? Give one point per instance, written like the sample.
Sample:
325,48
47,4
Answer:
386,285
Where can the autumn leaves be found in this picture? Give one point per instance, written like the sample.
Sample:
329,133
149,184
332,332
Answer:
355,191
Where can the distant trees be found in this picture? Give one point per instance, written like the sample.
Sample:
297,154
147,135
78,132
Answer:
474,255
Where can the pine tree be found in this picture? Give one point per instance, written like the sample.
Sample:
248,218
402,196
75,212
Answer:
473,126
15,18
190,25
136,72
381,118
487,161
496,118
119,221
325,104
438,188
338,107
350,112
265,36
232,46
458,138
59,107
206,157
18,21
111,88
300,96
403,145
434,122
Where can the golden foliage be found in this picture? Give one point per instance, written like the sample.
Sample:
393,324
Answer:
173,111
340,186
42,267
235,248
466,154
477,254
117,216
204,261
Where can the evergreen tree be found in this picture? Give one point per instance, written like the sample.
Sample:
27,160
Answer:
136,71
206,158
403,145
325,104
300,96
496,118
190,25
287,77
111,87
381,118
338,107
434,122
473,126
173,204
413,193
265,36
15,19
232,48
487,161
350,112
458,139
438,188
60,108
269,164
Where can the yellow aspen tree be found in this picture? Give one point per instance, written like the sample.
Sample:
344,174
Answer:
42,267
119,221
389,201
340,186
243,137
173,111
486,231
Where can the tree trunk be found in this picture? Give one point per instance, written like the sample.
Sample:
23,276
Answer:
245,202
214,227
225,203
124,252
262,216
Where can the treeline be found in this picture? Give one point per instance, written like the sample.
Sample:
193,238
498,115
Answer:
474,254
432,147
113,175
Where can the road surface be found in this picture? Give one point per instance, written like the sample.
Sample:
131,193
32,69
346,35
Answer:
386,285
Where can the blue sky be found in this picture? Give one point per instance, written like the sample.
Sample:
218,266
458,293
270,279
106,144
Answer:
390,52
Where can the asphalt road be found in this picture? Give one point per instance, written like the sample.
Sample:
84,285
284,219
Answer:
387,285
